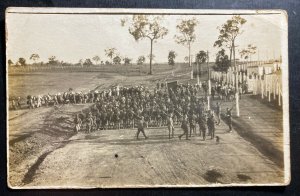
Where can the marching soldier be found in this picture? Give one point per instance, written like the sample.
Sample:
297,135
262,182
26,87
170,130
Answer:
184,126
78,123
202,125
19,102
140,126
89,123
13,104
229,118
211,124
192,122
170,124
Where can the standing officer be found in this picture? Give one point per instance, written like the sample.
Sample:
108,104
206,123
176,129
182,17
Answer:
78,123
89,123
192,121
211,124
141,126
170,124
184,126
228,117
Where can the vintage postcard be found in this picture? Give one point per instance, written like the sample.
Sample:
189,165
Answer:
114,98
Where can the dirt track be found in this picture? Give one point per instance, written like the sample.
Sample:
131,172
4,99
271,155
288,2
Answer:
89,161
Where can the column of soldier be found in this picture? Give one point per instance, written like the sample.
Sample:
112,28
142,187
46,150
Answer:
139,107
123,107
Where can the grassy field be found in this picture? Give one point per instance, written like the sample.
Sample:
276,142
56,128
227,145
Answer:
132,69
44,80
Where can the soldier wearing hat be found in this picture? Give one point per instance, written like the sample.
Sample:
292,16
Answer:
184,126
170,124
211,124
78,123
140,126
89,122
229,118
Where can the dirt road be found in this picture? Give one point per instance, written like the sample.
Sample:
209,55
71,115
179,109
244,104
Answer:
90,161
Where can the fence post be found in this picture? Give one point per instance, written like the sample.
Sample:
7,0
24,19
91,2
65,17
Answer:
265,86
254,85
274,88
262,89
279,98
268,88
269,95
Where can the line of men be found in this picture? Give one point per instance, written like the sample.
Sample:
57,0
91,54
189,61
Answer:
69,97
224,91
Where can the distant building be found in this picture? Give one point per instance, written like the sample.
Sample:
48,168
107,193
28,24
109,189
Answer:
266,68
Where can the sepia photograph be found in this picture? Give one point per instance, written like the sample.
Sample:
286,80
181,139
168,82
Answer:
136,98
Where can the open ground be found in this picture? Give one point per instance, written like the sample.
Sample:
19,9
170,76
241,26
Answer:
44,151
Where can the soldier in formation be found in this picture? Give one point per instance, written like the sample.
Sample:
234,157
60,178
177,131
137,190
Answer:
126,107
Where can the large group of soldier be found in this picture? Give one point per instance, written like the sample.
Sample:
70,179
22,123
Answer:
129,107
123,107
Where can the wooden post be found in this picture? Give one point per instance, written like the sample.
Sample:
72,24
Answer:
258,87
255,87
279,98
237,104
262,89
208,102
274,89
209,86
268,88
265,86
269,95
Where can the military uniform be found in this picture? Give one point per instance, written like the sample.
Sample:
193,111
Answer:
89,123
228,118
141,125
202,126
211,125
170,125
78,123
184,126
192,123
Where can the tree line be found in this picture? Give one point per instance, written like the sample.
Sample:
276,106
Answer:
151,28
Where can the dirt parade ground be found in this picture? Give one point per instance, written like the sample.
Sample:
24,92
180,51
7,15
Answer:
44,151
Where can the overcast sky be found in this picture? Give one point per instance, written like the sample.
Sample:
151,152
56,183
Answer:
73,37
